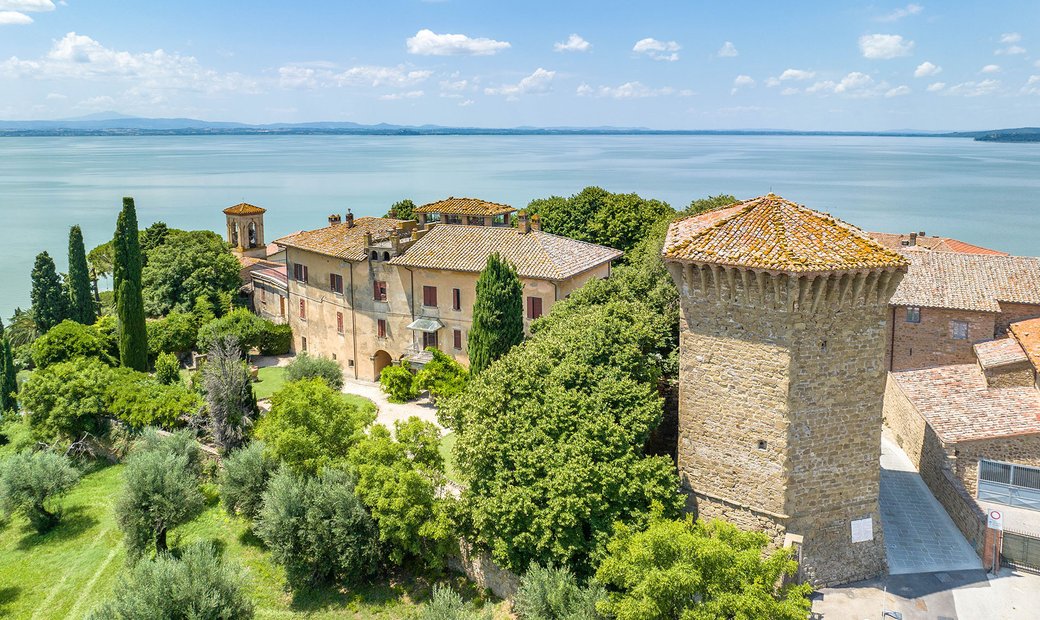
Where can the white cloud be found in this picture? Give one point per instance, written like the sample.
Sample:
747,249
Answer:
628,90
742,81
455,85
789,91
658,50
27,6
429,43
728,50
884,46
898,91
538,82
935,87
14,18
1032,86
56,97
466,103
974,89
574,43
324,76
796,74
896,15
926,69
77,56
1011,50
1010,37
412,94
854,84
990,69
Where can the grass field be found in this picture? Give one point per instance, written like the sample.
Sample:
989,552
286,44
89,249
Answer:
271,379
71,569
447,445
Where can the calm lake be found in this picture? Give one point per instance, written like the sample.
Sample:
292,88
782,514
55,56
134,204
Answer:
984,193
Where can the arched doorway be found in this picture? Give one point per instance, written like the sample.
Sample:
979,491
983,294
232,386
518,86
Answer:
380,360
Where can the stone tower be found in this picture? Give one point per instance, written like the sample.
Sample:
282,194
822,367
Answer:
245,229
784,333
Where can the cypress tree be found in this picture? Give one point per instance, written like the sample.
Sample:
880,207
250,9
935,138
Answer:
126,277
498,319
81,297
8,374
48,300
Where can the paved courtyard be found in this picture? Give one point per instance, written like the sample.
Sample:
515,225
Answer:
388,412
920,537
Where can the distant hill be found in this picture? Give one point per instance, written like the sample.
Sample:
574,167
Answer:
1021,134
114,123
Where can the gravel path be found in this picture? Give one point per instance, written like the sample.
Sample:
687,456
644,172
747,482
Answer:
388,412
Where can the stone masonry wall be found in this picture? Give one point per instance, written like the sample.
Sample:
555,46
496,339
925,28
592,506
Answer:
931,343
1019,449
781,384
1010,313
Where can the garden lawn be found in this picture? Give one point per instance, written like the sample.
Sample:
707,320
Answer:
447,450
270,380
73,568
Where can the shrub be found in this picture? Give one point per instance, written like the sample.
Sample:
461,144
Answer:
198,585
442,376
160,492
245,327
30,482
317,529
446,604
179,443
311,426
140,401
176,333
229,394
275,339
69,340
66,400
398,482
167,369
310,367
555,594
688,569
398,383
244,479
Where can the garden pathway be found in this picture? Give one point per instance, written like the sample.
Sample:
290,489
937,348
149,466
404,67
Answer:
388,412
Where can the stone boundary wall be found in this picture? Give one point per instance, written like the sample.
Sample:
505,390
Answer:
481,570
926,451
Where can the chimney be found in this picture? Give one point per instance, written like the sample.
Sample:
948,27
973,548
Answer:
334,219
368,239
522,223
913,238
536,222
350,219
921,234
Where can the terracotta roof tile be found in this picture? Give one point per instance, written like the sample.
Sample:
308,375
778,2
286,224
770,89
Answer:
895,241
1027,333
959,406
535,254
244,208
340,240
777,235
1001,352
968,281
465,206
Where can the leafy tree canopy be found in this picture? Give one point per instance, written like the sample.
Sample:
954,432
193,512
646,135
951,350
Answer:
599,216
69,340
309,367
244,479
66,400
186,266
49,302
698,571
174,333
31,481
311,426
402,210
141,400
555,594
498,320
442,376
398,383
551,440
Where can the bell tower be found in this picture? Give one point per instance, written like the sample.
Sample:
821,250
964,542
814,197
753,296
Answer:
245,230
783,336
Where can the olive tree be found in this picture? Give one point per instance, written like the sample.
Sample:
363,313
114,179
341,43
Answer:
30,482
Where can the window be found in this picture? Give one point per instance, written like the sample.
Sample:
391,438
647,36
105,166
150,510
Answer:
263,295
381,328
303,343
456,299
457,339
386,255
450,218
299,272
913,314
534,307
429,339
375,255
339,322
379,290
959,330
498,220
303,309
336,283
429,296
475,221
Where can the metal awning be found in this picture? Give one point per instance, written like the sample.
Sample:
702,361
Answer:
425,325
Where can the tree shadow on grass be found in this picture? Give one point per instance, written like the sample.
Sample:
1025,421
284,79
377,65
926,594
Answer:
8,595
383,592
250,539
74,521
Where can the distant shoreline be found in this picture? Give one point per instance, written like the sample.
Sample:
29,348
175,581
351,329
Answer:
447,131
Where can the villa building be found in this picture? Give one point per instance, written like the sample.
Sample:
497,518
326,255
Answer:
371,291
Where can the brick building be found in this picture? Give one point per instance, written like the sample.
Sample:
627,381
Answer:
949,301
783,342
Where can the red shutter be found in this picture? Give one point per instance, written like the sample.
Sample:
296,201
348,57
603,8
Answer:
458,338
339,322
430,296
303,309
456,299
381,328
534,307
379,290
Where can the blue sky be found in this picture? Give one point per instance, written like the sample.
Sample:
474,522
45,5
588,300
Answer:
682,65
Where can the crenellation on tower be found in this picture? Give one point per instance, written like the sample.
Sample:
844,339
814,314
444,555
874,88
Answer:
782,348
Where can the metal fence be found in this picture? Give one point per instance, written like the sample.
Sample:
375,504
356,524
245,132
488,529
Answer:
1020,551
1006,483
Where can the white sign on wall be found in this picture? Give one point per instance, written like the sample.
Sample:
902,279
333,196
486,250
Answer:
995,521
862,530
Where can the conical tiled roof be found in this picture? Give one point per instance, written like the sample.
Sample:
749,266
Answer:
244,208
777,235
